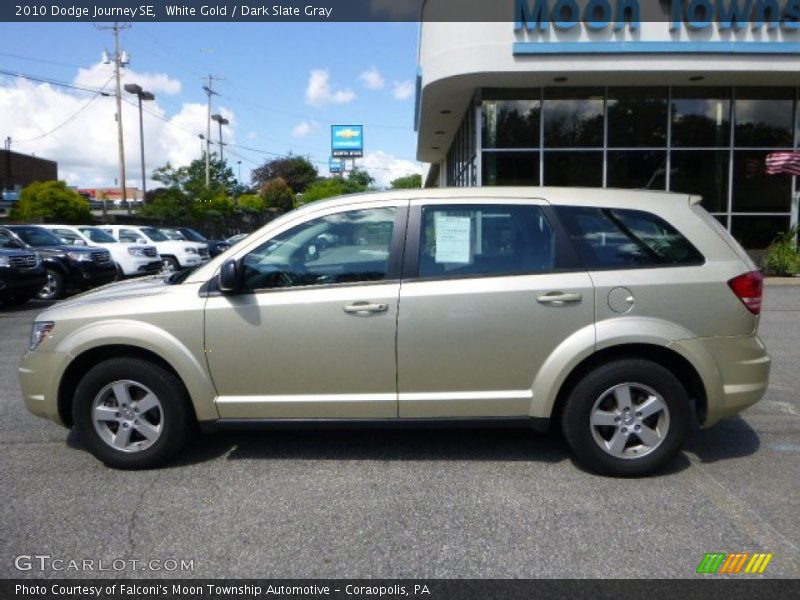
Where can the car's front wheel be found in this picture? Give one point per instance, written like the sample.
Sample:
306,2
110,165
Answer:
626,418
54,288
131,413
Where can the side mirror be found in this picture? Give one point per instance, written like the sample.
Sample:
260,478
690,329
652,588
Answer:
230,280
78,242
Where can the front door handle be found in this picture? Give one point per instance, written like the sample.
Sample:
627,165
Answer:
560,298
365,307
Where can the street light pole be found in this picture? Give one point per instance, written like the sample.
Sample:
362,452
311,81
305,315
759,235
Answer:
222,121
132,88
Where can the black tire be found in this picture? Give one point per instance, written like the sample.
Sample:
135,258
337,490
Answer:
585,438
120,273
175,414
54,288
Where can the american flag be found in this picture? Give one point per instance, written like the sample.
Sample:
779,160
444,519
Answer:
783,162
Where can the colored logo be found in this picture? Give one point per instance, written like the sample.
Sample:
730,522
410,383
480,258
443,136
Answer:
720,563
347,141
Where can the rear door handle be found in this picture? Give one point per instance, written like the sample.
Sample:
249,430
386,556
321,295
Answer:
365,307
560,298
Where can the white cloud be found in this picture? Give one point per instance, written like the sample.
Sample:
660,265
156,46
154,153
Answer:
81,136
320,92
372,79
402,90
159,83
386,167
303,128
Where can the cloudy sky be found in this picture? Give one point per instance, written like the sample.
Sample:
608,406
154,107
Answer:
281,86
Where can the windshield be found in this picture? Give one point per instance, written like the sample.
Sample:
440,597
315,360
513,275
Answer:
191,234
98,236
36,236
154,234
173,234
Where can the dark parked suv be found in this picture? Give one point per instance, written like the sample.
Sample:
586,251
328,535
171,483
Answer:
22,273
66,266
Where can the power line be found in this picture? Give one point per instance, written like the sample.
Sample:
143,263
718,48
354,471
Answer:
55,82
70,118
42,60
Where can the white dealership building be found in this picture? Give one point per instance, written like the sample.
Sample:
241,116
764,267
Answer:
560,93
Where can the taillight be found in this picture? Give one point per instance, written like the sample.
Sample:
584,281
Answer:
749,288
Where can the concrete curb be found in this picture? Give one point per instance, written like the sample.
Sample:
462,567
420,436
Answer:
782,280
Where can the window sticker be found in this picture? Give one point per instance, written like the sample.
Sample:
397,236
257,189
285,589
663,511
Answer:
453,243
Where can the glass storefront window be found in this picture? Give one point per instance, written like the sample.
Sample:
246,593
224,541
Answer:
702,172
510,168
637,117
701,117
753,189
573,118
757,232
764,117
635,169
582,169
510,123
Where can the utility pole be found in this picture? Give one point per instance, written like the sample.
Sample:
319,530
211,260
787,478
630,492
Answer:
209,90
120,60
222,121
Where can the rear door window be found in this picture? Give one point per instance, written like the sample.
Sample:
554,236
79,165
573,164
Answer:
620,239
485,240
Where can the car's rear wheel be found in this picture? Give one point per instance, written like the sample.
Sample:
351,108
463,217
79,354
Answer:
54,288
626,418
131,413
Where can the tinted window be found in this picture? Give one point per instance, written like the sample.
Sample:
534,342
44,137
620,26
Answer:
129,236
701,117
154,234
36,236
613,238
65,234
346,247
510,124
98,236
464,241
637,117
573,118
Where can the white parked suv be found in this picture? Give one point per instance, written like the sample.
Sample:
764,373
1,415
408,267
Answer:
131,259
175,254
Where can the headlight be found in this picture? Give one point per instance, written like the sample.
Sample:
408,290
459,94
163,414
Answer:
39,331
79,256
4,261
136,251
190,250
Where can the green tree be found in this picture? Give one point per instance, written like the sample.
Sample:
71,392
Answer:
276,193
409,182
53,200
360,178
328,187
251,202
296,171
191,179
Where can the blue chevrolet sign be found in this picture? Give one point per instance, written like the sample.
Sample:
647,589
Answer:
347,141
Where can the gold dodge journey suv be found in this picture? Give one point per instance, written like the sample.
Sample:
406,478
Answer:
621,317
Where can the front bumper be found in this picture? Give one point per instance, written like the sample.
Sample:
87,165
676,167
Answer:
39,373
90,274
20,282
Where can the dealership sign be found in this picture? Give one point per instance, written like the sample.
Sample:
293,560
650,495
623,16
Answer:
335,165
693,15
347,141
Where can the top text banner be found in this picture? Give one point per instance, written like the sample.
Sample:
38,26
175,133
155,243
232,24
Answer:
531,15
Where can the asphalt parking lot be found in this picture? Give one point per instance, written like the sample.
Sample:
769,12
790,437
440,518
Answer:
465,504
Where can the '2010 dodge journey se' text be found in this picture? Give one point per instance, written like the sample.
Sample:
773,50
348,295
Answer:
619,316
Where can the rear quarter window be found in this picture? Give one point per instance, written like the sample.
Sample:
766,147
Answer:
607,238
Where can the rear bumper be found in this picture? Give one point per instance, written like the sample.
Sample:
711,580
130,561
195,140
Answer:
735,371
